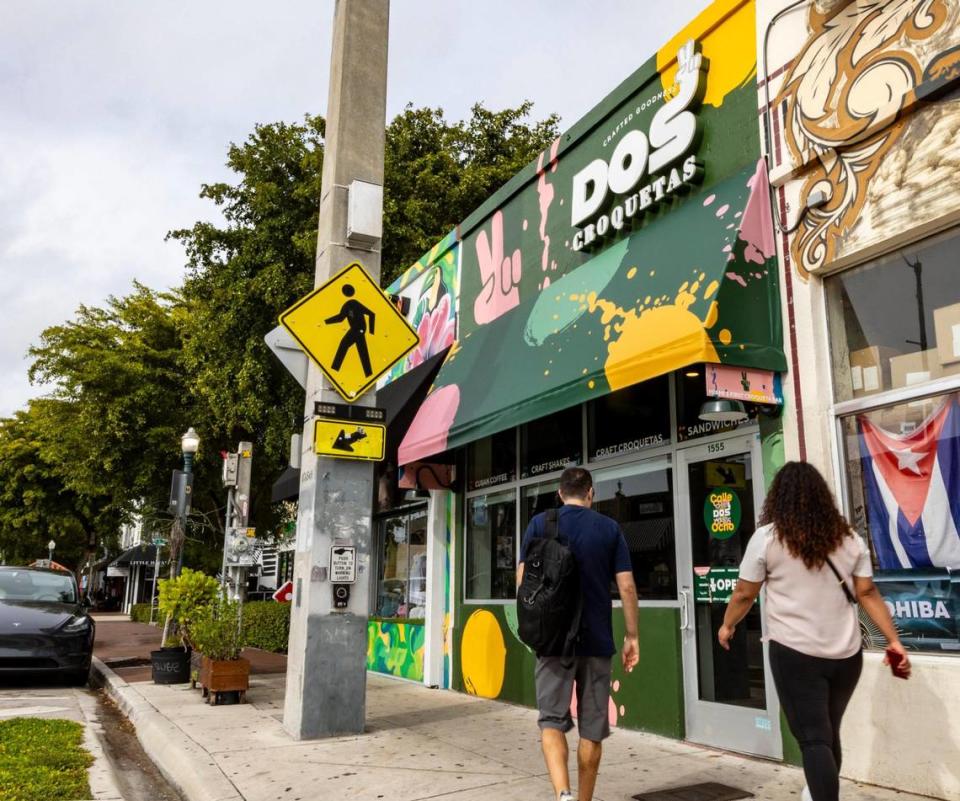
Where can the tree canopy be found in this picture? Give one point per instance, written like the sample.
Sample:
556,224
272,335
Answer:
131,375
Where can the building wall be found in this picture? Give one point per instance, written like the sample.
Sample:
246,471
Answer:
855,114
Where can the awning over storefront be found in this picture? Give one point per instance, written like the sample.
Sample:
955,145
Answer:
698,284
287,487
139,555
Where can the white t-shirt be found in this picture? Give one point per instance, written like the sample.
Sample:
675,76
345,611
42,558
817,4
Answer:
807,610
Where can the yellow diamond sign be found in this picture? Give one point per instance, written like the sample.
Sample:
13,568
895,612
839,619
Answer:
351,330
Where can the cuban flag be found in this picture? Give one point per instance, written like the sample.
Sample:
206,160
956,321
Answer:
912,485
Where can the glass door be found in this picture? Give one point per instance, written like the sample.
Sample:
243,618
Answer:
730,701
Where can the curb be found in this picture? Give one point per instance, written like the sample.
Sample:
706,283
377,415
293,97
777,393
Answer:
182,762
102,774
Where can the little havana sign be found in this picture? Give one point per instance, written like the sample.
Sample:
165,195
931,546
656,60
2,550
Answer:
672,134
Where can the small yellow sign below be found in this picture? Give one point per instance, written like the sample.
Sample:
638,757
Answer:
347,439
349,327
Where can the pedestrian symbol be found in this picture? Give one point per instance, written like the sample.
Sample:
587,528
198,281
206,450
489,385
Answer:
356,315
345,439
351,330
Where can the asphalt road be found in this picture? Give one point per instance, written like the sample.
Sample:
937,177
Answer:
122,771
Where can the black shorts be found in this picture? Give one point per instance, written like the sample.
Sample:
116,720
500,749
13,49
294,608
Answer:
555,679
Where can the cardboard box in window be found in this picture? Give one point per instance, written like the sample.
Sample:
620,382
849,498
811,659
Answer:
915,368
946,322
870,370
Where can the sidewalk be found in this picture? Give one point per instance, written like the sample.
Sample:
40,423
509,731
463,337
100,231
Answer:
419,744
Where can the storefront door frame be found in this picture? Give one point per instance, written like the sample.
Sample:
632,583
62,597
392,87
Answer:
720,725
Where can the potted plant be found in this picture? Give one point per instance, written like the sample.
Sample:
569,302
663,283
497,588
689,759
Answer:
216,633
181,600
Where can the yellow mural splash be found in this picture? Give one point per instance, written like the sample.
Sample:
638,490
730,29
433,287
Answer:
726,31
653,338
483,655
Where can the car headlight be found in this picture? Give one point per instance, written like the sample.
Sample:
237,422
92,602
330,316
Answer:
78,624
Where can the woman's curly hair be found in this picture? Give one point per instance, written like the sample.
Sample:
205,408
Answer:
804,514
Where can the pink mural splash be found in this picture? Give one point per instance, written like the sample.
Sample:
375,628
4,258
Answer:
612,712
756,225
499,275
429,430
546,193
436,332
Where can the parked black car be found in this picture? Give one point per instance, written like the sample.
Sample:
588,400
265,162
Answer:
44,624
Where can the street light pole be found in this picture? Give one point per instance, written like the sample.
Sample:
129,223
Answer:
189,444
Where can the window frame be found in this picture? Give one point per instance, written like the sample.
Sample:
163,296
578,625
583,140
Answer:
668,451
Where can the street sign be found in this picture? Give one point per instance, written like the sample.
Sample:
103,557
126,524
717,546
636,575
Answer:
284,594
349,327
343,564
343,439
159,541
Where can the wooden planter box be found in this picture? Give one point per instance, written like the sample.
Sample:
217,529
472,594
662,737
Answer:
224,676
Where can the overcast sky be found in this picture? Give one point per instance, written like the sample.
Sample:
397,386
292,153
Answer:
113,113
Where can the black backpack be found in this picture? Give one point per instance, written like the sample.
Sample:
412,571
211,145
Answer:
548,599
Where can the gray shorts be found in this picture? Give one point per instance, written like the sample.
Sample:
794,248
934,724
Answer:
556,677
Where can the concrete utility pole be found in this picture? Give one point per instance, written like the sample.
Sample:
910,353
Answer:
326,664
237,547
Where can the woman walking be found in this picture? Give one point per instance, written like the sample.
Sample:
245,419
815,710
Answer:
815,568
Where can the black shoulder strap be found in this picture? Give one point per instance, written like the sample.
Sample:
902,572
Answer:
843,584
551,526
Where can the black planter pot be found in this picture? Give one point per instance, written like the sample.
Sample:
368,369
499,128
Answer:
170,666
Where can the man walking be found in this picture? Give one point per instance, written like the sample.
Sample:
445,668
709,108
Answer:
601,553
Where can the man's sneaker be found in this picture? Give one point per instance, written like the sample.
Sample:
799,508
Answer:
566,795
805,795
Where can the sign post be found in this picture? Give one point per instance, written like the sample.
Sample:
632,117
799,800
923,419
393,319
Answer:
343,328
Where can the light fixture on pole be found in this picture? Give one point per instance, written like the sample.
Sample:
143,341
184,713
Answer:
189,443
723,410
50,546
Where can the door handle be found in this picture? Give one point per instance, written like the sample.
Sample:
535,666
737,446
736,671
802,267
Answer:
684,610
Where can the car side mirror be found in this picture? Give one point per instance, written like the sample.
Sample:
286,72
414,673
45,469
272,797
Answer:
86,603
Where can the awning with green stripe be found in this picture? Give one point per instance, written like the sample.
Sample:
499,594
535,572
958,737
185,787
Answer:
697,284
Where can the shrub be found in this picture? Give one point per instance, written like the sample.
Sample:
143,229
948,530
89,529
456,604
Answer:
215,631
140,613
184,598
266,625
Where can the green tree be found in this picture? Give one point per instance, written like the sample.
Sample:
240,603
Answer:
437,173
36,504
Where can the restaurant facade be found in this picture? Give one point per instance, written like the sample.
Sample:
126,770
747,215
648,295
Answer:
710,273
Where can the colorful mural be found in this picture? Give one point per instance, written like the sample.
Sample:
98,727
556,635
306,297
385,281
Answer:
637,243
431,286
858,132
395,648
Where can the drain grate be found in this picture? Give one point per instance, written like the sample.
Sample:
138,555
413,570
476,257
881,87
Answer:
696,792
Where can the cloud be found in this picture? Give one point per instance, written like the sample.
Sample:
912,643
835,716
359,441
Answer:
112,113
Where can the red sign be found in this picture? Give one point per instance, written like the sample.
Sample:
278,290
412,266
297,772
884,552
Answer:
284,595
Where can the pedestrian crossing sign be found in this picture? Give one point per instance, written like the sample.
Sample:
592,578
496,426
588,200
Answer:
349,327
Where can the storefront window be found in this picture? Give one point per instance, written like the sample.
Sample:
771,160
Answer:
537,498
691,394
640,498
903,477
895,322
551,443
491,546
630,420
492,460
402,568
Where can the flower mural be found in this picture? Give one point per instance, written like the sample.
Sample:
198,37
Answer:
437,330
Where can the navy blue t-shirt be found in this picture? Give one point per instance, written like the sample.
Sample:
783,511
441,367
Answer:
601,552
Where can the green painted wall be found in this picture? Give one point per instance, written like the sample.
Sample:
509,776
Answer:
491,661
395,648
